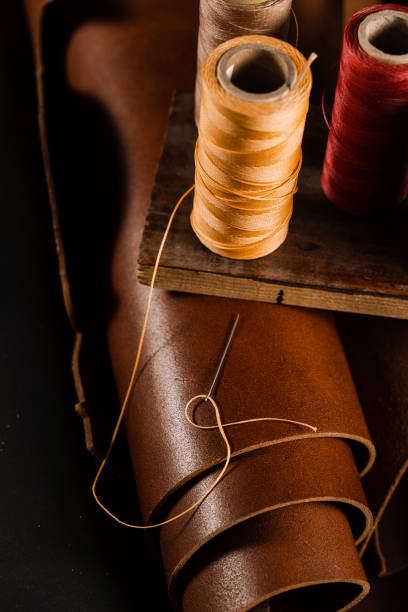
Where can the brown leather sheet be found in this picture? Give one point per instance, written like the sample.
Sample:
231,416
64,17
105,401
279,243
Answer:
285,519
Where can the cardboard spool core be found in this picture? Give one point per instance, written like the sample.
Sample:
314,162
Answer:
256,73
384,36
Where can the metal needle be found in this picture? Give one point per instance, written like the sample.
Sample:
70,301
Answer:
223,356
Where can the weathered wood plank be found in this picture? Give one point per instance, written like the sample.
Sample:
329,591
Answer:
330,260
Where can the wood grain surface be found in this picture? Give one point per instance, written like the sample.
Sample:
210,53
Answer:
330,260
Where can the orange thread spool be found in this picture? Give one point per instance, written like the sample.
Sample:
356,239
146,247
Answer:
255,98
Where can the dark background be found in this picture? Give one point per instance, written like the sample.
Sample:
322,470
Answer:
58,551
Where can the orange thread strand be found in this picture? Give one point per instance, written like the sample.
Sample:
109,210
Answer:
220,425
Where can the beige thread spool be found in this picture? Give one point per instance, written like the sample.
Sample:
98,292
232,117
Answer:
237,18
384,36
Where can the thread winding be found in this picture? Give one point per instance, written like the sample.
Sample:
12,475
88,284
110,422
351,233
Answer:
221,20
248,156
366,163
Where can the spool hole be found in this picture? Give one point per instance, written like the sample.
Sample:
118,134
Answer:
258,72
391,37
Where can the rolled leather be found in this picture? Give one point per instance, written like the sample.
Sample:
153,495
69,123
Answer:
118,63
303,472
260,556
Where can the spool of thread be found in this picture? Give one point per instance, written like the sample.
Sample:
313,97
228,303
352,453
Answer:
366,163
221,20
255,98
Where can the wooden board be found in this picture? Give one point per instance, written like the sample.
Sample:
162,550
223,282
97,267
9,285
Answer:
330,260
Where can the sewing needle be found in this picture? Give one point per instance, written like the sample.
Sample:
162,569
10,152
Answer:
223,356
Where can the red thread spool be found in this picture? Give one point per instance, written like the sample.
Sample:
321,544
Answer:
366,163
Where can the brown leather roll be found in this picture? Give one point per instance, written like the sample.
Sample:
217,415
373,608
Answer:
303,471
259,555
122,60
299,349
